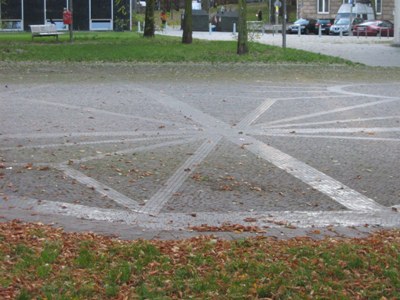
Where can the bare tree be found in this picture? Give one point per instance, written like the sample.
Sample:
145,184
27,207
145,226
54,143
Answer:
205,5
149,27
242,46
187,23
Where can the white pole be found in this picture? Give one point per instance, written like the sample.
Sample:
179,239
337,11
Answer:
138,26
234,28
112,15
396,40
22,15
209,28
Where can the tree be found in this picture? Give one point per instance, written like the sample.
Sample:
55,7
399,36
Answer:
187,23
242,46
149,27
205,5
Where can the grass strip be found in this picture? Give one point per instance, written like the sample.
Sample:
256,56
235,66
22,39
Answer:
133,47
38,261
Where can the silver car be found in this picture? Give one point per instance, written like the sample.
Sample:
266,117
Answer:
341,25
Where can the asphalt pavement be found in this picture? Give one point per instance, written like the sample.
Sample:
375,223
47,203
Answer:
172,151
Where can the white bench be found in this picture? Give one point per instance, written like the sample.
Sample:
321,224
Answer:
44,30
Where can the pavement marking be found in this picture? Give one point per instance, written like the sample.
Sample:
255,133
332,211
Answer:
334,189
88,109
137,149
341,90
338,121
362,209
340,137
135,132
99,187
325,184
182,221
157,201
327,130
255,114
332,111
101,142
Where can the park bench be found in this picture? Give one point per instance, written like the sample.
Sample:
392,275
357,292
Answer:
44,30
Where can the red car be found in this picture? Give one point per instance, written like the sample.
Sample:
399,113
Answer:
374,28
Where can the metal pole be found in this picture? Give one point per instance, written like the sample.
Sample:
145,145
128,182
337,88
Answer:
71,34
284,25
351,19
270,12
396,39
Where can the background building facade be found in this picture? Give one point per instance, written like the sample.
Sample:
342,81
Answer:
87,14
327,9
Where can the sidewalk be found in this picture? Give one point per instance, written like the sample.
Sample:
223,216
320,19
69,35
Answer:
371,51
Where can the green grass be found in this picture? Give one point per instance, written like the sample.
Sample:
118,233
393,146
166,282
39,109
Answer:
86,266
133,47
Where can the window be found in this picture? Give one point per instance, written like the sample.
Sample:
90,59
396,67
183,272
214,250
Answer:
323,6
54,9
101,9
378,6
11,15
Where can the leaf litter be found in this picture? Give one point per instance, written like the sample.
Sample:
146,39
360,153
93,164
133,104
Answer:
40,261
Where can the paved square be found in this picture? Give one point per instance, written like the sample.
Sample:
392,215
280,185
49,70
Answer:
167,155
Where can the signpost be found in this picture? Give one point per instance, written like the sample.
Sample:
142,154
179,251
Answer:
277,5
70,20
396,35
351,2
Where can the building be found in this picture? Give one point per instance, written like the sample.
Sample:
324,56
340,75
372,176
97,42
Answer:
16,15
384,9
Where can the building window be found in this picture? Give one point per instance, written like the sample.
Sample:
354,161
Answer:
323,6
378,6
11,15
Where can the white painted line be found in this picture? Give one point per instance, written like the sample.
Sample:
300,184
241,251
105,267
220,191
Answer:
255,114
99,142
340,137
50,135
100,111
158,200
323,183
328,130
341,90
99,187
139,149
332,111
338,121
182,221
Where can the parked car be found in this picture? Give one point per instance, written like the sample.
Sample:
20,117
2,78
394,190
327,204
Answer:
325,25
343,25
306,26
374,28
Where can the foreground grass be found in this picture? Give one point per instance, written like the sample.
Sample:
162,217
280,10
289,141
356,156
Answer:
38,261
133,47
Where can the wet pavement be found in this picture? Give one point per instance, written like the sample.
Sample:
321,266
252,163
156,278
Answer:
163,157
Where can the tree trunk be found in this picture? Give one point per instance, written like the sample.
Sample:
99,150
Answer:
187,23
242,46
149,27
